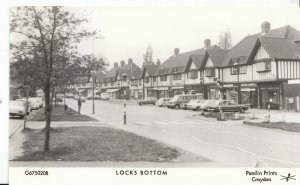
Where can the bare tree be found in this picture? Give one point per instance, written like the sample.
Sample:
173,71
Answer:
225,41
50,37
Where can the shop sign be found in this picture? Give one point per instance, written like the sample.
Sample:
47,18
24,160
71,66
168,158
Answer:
293,81
228,85
247,85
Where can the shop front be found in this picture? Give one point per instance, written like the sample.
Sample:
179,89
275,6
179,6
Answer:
177,91
270,95
194,89
163,92
230,92
249,94
213,92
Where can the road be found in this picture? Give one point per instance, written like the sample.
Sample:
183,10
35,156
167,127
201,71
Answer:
227,142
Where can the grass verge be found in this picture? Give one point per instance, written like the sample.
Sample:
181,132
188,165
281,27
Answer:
291,127
58,114
94,144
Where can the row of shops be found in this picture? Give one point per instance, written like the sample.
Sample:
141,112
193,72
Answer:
277,95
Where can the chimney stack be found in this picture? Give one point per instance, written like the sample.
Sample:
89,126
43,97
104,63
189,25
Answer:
130,61
122,63
158,62
176,51
207,43
265,27
115,64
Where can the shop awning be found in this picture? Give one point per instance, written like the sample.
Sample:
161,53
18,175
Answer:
81,90
112,90
177,87
163,89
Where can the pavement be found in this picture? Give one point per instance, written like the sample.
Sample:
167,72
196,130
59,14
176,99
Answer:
227,143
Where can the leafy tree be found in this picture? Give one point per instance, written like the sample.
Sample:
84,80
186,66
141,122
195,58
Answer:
50,36
225,41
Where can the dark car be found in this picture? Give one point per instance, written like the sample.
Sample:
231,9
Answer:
148,100
228,106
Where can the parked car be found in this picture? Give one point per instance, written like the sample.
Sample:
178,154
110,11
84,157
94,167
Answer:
96,97
193,103
105,96
58,99
202,105
228,106
29,104
187,105
69,95
17,108
177,100
148,100
162,102
38,101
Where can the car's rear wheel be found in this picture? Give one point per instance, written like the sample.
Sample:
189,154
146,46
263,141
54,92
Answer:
242,111
177,107
198,108
140,104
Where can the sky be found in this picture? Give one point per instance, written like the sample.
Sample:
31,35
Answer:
129,30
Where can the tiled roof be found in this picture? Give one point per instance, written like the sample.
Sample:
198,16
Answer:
178,64
151,69
198,60
279,48
131,70
217,56
80,79
278,42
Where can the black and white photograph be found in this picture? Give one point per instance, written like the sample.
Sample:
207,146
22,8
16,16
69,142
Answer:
155,87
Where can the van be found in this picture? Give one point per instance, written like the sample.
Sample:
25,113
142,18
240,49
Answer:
177,100
105,96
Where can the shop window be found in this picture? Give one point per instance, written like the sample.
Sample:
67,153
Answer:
234,70
163,78
177,77
210,72
243,69
193,74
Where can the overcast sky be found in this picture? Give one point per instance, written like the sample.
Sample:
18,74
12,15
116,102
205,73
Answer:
129,30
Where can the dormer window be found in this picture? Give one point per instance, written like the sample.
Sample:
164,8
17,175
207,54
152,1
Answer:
210,72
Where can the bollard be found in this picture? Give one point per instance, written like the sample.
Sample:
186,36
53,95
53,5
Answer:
247,119
253,115
236,116
124,117
267,119
283,119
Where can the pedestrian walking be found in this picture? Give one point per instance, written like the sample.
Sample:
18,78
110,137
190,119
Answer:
66,108
79,105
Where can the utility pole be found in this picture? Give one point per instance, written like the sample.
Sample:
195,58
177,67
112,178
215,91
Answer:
26,106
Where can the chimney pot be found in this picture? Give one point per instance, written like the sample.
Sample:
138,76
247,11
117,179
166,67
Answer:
265,27
206,43
115,64
176,51
130,61
122,63
158,62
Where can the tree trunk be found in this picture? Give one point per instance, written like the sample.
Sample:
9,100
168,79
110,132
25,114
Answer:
48,109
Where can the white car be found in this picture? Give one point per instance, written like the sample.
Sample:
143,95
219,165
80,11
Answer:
36,102
17,108
29,104
105,96
192,104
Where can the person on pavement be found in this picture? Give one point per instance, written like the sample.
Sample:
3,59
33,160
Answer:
79,105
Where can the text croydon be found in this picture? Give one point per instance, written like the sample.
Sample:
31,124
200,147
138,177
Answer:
141,172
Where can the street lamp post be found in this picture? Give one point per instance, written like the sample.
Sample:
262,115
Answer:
93,76
93,90
238,82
